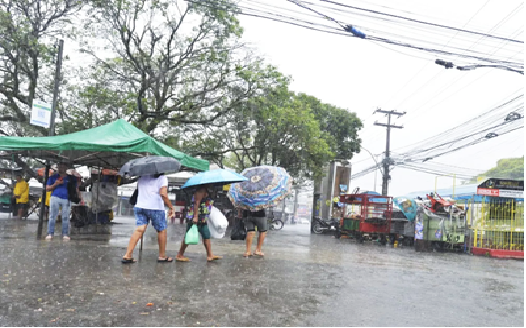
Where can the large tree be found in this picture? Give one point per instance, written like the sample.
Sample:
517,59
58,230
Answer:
28,29
340,126
277,128
179,61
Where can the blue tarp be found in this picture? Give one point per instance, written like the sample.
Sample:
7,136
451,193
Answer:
466,191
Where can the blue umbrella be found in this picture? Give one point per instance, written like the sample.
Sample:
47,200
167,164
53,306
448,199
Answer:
215,177
266,187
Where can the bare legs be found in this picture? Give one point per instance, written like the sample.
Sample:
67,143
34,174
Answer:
261,239
136,236
208,247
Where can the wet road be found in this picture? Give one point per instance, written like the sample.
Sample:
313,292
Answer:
304,280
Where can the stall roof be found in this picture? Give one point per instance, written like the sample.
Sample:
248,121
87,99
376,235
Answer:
109,145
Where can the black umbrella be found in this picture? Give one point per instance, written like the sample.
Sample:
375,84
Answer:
151,165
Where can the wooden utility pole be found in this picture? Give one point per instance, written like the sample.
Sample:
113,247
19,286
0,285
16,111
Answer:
387,161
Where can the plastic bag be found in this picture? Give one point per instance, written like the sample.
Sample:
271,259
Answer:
215,233
217,220
192,236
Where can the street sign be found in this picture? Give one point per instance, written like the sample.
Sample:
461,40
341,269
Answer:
488,192
40,114
500,193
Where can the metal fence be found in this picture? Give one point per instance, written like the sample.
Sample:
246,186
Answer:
496,223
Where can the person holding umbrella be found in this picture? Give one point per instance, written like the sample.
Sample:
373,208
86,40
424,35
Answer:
265,187
201,206
199,213
152,197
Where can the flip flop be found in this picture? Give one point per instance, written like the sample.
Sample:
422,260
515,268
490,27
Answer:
247,254
182,259
128,260
214,258
259,254
166,259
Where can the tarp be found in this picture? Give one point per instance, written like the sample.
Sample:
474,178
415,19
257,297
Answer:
466,191
109,145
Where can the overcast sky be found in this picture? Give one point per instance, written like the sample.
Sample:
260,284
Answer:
360,76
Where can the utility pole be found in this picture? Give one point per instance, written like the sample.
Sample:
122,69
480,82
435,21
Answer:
58,66
387,161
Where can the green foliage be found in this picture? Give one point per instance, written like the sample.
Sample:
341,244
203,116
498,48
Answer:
507,168
339,125
296,132
27,30
176,77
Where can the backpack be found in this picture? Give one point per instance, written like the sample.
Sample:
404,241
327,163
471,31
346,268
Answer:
133,198
238,232
72,189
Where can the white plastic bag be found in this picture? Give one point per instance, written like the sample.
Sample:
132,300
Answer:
217,223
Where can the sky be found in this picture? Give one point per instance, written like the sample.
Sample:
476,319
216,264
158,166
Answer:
361,76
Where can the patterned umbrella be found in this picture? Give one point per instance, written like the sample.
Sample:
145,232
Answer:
266,187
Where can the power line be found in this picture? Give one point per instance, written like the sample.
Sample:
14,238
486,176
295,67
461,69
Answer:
423,22
313,26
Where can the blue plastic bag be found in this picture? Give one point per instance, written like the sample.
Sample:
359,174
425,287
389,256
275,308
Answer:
192,236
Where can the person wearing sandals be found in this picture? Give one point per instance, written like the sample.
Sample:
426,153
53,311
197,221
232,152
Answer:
198,213
251,221
57,184
151,200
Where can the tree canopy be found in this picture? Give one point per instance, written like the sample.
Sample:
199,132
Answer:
507,168
176,69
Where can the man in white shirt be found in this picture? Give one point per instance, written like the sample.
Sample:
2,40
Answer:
152,198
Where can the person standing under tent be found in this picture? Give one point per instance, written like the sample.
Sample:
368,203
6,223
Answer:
57,184
21,195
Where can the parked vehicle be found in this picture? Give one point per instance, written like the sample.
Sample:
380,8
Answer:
321,226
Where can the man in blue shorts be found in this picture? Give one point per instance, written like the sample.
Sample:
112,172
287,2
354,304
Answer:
152,198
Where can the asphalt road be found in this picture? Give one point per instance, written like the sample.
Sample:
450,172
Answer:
304,280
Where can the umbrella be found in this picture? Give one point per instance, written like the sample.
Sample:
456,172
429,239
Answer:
214,177
150,166
266,187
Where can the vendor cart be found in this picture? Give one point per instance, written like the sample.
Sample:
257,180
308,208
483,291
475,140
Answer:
366,216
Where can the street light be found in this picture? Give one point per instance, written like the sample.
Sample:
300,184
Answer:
450,65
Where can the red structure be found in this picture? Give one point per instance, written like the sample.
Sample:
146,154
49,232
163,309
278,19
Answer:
373,218
438,203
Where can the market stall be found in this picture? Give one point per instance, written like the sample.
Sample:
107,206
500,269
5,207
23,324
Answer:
108,146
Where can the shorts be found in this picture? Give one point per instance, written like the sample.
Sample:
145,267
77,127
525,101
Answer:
156,217
252,222
22,206
202,228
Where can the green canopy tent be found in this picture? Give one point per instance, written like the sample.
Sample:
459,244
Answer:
109,145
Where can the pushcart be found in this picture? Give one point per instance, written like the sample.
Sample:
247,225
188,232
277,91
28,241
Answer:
366,216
